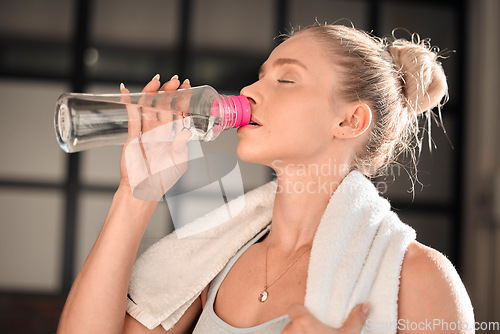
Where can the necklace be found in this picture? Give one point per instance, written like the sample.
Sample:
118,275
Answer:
264,294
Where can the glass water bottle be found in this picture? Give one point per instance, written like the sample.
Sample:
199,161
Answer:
84,121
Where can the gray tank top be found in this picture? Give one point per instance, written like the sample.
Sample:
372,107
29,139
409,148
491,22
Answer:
209,322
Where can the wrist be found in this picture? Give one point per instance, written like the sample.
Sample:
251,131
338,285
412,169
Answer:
124,195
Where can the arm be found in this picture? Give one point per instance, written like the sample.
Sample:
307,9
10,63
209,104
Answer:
432,294
97,300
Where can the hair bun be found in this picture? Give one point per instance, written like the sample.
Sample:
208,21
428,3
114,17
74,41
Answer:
424,79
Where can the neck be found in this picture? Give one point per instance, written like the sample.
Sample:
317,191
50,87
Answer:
300,202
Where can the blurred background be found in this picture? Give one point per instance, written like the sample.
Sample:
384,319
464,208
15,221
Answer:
53,204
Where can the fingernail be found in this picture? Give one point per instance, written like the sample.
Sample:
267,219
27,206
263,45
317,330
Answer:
156,77
122,86
186,82
174,77
366,308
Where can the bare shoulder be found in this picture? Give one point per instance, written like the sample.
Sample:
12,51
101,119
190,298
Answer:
431,291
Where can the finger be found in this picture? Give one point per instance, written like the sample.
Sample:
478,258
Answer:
153,85
165,114
185,84
133,115
149,116
357,318
172,84
184,97
123,90
297,310
182,136
301,320
150,119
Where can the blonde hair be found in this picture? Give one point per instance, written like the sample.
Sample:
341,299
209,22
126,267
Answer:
399,79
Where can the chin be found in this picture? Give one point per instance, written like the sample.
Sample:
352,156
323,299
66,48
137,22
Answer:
246,154
251,155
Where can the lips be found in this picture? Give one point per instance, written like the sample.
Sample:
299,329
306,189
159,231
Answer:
254,121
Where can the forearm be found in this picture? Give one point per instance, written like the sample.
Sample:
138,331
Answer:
96,303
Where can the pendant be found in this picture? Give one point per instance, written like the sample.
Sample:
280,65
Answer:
263,296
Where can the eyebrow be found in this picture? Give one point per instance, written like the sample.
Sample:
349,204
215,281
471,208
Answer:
284,61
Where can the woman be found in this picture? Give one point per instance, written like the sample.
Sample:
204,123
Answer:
327,96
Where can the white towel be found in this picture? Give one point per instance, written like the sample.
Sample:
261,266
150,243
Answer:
356,257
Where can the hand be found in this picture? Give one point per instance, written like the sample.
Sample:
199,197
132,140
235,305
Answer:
151,161
302,322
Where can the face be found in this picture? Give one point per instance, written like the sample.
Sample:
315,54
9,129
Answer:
294,103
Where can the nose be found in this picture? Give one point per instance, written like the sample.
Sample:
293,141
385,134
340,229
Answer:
251,93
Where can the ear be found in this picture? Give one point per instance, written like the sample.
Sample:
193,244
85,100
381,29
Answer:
357,120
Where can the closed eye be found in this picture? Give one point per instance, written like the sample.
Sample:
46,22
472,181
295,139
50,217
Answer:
285,81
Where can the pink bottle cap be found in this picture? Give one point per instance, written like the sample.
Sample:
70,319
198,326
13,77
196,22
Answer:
243,112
